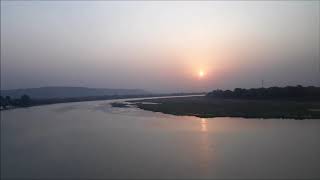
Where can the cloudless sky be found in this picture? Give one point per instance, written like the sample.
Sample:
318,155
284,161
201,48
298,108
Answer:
160,46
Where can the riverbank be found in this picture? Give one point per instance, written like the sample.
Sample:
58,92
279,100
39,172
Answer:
205,107
40,102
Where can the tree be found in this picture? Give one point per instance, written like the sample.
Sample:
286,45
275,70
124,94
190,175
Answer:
2,102
25,100
8,100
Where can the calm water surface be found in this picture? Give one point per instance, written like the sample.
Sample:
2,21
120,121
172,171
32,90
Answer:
94,140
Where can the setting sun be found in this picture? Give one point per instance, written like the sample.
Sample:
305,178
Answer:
201,74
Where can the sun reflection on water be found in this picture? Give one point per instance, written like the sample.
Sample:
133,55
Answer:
204,125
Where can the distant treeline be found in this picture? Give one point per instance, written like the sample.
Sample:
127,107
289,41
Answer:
288,92
25,101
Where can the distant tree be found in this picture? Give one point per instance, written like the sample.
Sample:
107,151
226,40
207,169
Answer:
25,100
2,102
8,100
269,93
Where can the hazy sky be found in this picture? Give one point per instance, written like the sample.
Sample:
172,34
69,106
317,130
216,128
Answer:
159,46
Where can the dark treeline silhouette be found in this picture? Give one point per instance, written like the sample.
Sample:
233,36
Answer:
23,101
288,92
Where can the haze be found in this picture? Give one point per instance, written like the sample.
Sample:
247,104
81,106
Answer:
160,46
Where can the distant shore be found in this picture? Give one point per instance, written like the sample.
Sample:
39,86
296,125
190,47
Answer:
40,102
206,107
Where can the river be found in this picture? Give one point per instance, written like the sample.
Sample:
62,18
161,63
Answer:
95,140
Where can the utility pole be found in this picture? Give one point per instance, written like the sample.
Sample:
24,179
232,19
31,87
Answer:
318,53
319,68
262,83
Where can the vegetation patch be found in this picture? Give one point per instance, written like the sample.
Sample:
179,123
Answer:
120,105
207,107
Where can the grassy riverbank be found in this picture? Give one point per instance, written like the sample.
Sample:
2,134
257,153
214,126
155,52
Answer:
220,107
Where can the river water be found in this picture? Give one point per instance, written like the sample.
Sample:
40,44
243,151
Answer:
95,140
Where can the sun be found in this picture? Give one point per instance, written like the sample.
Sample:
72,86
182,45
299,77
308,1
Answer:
201,74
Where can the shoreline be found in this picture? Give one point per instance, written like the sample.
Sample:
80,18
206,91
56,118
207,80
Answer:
43,102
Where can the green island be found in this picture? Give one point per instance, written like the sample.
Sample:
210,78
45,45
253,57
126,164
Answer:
294,102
